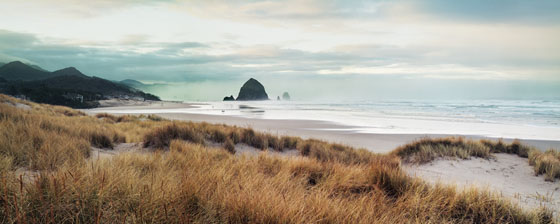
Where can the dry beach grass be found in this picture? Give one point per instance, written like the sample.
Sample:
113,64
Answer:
186,180
426,150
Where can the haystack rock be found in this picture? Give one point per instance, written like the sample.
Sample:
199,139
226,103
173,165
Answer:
252,90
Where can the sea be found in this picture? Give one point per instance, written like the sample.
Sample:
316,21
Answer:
522,119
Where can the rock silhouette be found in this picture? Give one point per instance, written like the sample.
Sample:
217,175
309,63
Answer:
252,90
229,98
286,96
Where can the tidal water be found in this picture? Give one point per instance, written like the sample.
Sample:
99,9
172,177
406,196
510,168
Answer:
523,119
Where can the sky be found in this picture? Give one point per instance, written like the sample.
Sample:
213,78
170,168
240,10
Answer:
316,50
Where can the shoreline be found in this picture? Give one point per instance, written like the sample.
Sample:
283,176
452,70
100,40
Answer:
116,104
323,130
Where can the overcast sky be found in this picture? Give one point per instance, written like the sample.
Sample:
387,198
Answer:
313,49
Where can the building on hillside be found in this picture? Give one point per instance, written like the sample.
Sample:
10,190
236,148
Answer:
74,96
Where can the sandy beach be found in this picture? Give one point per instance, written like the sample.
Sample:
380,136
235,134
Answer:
118,104
322,130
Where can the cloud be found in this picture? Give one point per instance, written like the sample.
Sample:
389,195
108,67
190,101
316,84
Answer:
79,9
443,71
278,12
497,11
107,62
503,11
191,61
294,41
291,10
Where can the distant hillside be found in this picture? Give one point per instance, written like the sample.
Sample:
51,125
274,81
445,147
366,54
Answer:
17,70
142,86
133,83
2,64
37,67
68,72
84,83
67,86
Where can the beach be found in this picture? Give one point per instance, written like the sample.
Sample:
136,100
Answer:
125,149
305,128
280,112
505,174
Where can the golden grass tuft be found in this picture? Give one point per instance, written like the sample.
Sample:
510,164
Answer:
229,146
162,137
68,111
6,164
326,152
426,150
514,147
116,119
547,163
200,133
45,137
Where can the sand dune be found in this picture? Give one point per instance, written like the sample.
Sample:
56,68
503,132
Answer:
508,174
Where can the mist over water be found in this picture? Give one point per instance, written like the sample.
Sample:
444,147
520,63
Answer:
361,88
507,109
523,119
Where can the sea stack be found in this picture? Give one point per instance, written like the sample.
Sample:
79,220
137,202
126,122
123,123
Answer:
252,90
229,98
286,96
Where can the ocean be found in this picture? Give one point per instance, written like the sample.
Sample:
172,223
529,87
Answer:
523,119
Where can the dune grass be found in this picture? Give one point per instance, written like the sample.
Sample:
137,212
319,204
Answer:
45,137
229,146
426,150
161,137
201,133
192,183
547,163
188,182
